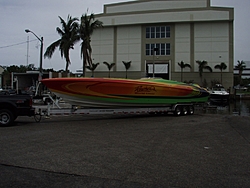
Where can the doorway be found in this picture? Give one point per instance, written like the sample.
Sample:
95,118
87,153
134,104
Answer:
161,70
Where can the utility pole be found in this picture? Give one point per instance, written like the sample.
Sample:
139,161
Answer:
27,50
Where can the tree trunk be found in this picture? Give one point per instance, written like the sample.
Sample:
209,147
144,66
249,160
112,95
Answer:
221,78
83,67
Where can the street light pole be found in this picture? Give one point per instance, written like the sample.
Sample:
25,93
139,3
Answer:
41,52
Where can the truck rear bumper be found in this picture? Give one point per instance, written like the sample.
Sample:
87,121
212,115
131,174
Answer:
27,112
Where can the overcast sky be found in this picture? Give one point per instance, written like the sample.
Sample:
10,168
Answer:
41,16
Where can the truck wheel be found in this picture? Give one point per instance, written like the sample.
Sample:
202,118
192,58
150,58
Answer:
177,111
6,117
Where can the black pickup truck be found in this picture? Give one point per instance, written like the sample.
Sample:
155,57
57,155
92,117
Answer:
12,106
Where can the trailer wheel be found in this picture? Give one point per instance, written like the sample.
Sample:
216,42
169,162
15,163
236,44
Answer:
177,111
6,117
191,110
48,101
37,117
185,110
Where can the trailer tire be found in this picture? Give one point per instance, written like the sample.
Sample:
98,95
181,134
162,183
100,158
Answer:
37,117
191,110
6,117
48,101
178,110
184,110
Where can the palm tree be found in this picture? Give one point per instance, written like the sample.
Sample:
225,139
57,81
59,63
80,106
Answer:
127,66
87,26
222,66
110,66
240,66
69,36
183,65
203,65
92,68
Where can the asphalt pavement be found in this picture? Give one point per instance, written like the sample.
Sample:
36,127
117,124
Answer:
200,150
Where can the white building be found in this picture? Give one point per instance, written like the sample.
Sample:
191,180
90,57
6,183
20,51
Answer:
181,30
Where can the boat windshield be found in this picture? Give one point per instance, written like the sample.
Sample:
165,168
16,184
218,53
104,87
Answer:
219,89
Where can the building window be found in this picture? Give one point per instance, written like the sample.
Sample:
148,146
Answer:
148,32
152,32
167,49
158,32
163,49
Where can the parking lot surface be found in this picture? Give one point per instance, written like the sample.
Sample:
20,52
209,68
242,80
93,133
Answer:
202,150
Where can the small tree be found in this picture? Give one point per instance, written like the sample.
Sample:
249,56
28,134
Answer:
222,67
240,66
127,66
182,66
203,65
92,68
110,66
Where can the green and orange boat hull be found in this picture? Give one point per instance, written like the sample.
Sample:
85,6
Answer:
113,92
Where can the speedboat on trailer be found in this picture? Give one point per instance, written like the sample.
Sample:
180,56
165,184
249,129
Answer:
115,93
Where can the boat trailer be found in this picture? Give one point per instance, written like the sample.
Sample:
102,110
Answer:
56,110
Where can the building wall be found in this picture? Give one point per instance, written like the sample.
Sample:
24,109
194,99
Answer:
182,45
162,17
211,42
157,5
102,43
129,47
197,32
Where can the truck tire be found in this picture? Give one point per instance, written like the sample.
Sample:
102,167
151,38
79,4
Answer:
6,117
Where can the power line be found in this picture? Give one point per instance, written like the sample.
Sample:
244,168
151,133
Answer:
17,44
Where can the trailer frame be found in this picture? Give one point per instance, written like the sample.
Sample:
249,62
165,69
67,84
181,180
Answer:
55,109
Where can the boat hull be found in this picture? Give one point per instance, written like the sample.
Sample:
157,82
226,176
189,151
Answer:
108,92
219,98
218,95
